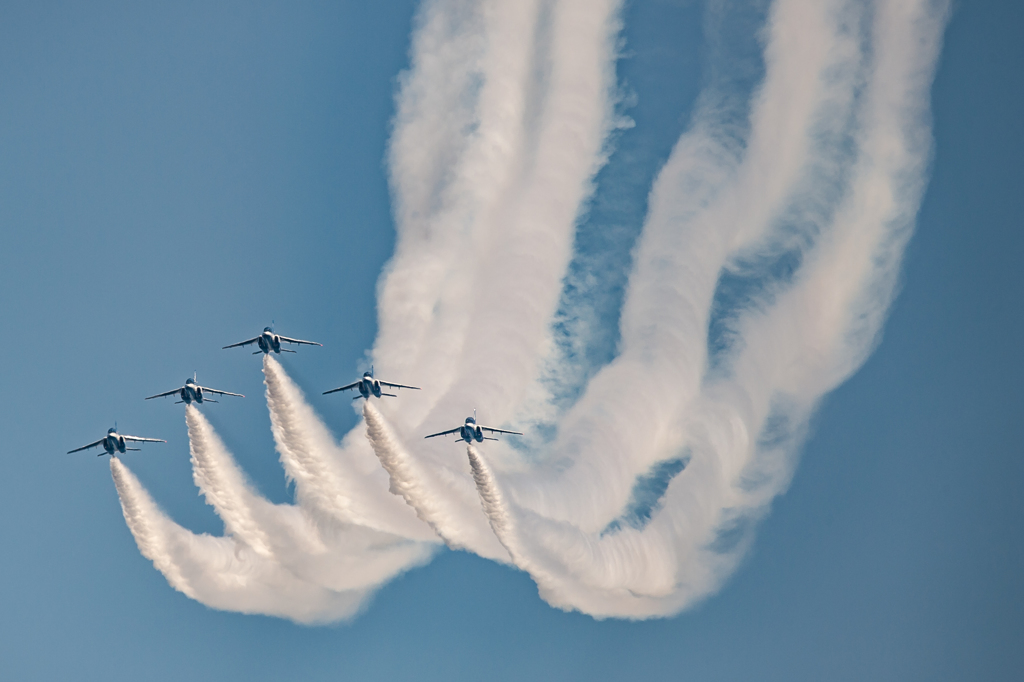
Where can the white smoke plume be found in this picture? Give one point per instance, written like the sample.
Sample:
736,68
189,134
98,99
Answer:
295,561
343,483
435,496
768,259
221,572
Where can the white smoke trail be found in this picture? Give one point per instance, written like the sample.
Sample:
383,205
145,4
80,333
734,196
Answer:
340,482
718,187
276,559
434,496
150,527
334,554
224,486
645,498
218,571
739,434
485,225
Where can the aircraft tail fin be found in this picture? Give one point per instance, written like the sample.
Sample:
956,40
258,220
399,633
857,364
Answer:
257,352
134,449
390,395
178,402
489,438
285,350
357,397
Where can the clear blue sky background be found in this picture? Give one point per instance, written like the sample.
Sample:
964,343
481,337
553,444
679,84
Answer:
173,176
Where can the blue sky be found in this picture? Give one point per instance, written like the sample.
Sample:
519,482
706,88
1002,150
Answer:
173,179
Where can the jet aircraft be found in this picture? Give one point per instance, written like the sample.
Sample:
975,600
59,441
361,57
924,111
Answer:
268,342
192,391
368,386
471,431
115,442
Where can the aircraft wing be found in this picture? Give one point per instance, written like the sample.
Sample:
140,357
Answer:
391,385
494,430
243,343
86,447
308,343
342,388
165,394
140,439
213,390
444,433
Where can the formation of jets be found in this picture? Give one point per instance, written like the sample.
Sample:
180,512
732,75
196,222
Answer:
368,386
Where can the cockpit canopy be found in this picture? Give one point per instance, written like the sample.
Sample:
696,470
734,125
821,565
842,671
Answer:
268,329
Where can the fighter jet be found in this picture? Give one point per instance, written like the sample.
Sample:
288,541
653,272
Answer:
369,386
192,391
114,442
471,431
269,341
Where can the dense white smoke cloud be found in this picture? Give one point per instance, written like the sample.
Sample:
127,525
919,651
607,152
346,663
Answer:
767,262
309,562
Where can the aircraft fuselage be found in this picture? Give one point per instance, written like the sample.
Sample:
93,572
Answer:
191,392
471,432
369,386
114,442
268,341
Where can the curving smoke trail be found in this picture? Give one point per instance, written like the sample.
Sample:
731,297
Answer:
501,126
220,572
715,437
224,486
278,559
152,530
734,432
726,437
343,483
434,496
768,259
